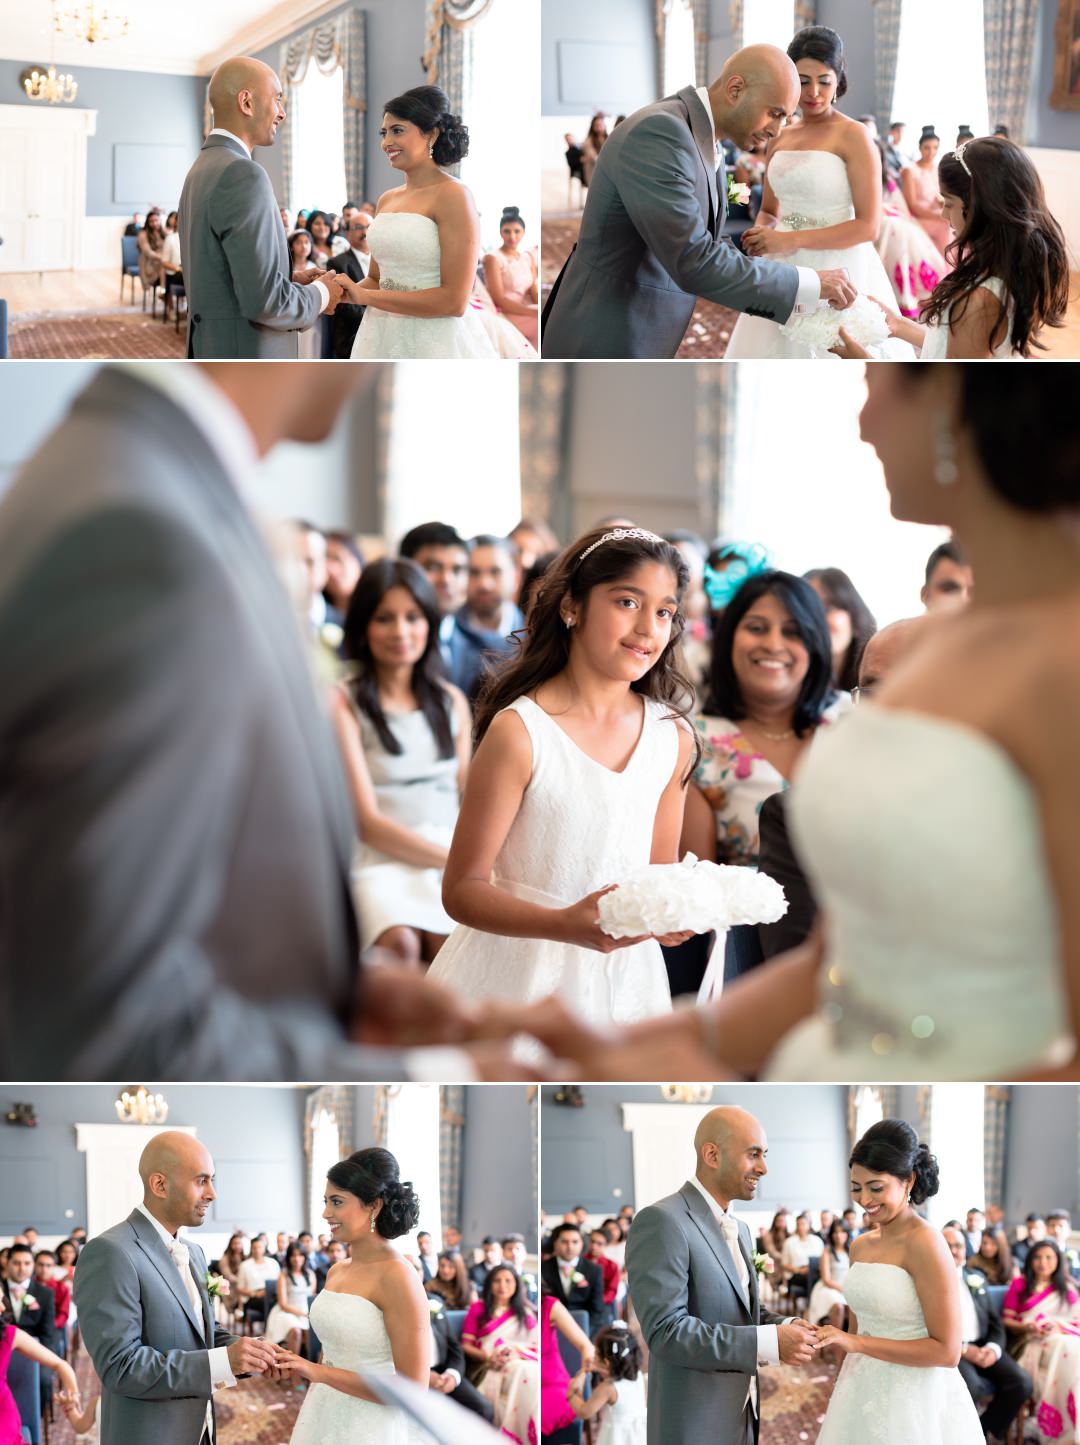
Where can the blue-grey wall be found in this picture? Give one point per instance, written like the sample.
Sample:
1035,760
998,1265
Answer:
1042,1161
586,1154
132,106
254,1134
628,24
498,1169
395,45
854,21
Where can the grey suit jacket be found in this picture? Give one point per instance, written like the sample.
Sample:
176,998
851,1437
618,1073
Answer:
241,300
651,243
147,1344
175,825
699,1325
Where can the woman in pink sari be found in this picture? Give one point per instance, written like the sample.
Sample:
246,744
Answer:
498,1337
1042,1318
15,1339
555,1408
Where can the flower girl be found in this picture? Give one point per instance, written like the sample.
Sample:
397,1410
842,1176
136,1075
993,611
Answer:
579,777
619,1389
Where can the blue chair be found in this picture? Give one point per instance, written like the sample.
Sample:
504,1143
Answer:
24,1381
129,264
455,1319
3,329
571,1358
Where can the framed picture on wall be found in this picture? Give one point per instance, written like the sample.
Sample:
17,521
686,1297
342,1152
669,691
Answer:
1066,92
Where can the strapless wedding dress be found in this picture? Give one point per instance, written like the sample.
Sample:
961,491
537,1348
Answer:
406,248
923,844
885,1404
814,192
353,1335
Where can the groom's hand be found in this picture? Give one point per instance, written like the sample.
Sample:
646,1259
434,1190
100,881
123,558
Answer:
837,290
796,1341
251,1357
335,284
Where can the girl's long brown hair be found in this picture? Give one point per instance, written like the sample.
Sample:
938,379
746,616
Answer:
1008,233
543,646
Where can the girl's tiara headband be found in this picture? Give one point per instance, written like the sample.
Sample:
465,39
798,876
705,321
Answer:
619,535
959,154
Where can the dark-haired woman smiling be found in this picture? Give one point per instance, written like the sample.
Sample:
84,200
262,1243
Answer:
404,733
770,688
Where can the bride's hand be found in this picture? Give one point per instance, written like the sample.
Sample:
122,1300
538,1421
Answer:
294,1365
830,1335
355,293
765,241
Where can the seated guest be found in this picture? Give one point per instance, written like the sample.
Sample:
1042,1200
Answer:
451,1284
135,225
851,623
281,1245
451,1239
344,565
514,1252
491,1250
151,241
1034,1233
983,1361
228,1266
799,1249
974,1224
1058,1228
318,1257
499,1338
773,1240
336,1253
172,274
352,261
405,737
574,1280
287,1322
1041,1315
317,226
257,1272
448,1369
992,1258
301,258
770,689
45,1273
825,1221
511,277
827,1302
608,1268
67,1253
444,556
592,145
490,615
425,1249
26,1301
950,581
533,539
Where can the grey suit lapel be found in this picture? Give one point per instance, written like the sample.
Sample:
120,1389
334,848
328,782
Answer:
702,1216
153,1247
701,130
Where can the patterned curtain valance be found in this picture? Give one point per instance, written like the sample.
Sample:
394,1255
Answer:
886,50
448,49
339,42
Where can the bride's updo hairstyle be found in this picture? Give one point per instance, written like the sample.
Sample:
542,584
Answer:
373,1175
818,42
543,647
892,1147
428,108
1008,233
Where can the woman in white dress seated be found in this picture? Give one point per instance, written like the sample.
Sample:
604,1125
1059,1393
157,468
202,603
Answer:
257,1280
288,1320
404,734
1010,274
424,240
799,1249
827,1302
821,205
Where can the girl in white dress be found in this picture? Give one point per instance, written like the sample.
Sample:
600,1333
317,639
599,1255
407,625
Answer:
372,1317
579,777
288,1320
899,1381
618,1388
827,1302
1010,274
403,732
425,242
822,202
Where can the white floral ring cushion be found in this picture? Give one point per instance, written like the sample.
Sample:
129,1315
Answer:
692,896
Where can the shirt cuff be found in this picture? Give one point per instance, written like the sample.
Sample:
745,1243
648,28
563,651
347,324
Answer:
436,1066
453,1375
996,1349
220,1369
324,295
809,292
768,1345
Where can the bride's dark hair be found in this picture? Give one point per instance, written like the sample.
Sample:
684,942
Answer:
892,1147
1008,233
373,1175
543,647
428,107
819,42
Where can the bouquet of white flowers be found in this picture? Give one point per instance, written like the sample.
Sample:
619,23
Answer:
864,321
691,896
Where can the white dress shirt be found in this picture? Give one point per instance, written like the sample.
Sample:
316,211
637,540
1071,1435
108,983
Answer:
220,130
767,1340
969,1320
363,260
809,293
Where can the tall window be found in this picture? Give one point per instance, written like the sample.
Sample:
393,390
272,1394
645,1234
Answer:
503,164
957,1139
412,1136
679,69
318,172
326,1150
941,69
768,22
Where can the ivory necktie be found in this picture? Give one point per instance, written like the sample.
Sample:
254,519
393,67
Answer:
181,1257
730,1231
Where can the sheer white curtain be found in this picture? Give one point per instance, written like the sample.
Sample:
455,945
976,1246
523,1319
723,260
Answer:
768,22
326,1151
678,57
318,155
941,69
412,1136
956,1138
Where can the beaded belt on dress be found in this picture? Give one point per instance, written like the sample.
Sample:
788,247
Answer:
796,221
385,284
851,1016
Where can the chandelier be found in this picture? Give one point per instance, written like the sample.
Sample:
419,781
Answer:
48,86
139,1106
686,1093
89,23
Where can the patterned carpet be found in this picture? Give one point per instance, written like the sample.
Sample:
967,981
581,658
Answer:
793,1402
709,331
94,336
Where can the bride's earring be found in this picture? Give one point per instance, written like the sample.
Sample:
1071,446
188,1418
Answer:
945,453
373,1221
569,621
431,151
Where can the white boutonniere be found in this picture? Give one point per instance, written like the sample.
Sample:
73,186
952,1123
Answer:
217,1287
332,635
529,1280
762,1262
434,1306
737,194
29,1302
976,1282
578,1278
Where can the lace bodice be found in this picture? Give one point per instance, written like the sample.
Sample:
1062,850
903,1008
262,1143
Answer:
812,188
406,247
885,1301
352,1332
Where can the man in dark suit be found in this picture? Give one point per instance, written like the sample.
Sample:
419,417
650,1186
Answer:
574,1280
984,1363
135,225
492,1255
429,1260
354,263
1035,1225
32,1306
448,1369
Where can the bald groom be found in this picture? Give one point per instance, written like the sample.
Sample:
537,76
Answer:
242,300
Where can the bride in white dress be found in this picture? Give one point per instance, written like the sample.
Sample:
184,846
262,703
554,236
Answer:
899,1381
372,1317
424,240
821,206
